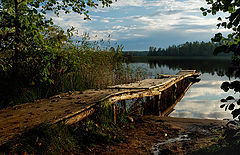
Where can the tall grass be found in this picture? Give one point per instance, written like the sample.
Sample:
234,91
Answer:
86,66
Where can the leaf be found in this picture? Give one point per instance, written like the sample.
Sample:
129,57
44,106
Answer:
230,98
231,106
234,84
224,24
229,25
233,46
235,113
217,37
223,100
238,101
202,9
225,86
221,106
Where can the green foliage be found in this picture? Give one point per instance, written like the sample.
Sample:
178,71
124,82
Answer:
230,102
231,43
100,128
28,37
226,143
39,59
73,67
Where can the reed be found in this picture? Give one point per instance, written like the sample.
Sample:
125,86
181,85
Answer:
81,68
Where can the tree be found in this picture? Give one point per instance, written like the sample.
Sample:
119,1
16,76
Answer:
152,51
187,49
24,28
34,51
24,20
231,43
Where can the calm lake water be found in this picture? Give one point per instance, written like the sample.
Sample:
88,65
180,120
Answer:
202,100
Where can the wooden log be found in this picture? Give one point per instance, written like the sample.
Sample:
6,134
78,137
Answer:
123,106
165,76
166,112
114,114
156,105
78,115
147,105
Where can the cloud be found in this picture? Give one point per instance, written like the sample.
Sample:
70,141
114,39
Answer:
71,20
177,16
143,23
124,3
202,100
197,109
105,21
171,4
168,12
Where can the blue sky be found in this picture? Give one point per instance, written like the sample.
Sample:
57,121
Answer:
138,24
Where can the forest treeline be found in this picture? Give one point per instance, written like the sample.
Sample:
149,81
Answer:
187,49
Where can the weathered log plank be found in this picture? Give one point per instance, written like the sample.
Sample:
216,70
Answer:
170,109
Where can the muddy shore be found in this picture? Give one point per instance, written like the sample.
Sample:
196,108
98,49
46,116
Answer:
164,135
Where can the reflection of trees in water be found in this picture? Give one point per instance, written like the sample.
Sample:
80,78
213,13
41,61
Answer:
219,67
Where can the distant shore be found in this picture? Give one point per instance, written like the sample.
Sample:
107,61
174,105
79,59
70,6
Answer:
157,58
142,58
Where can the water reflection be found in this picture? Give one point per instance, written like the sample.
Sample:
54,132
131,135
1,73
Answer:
202,100
219,67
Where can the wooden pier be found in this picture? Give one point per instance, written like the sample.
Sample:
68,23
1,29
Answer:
161,95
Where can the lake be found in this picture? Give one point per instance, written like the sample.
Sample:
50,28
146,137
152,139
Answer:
202,100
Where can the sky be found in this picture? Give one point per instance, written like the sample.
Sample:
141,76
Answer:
139,24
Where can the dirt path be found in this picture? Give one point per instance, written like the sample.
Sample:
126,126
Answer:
165,135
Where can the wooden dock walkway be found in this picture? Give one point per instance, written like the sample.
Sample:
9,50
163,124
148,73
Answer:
72,107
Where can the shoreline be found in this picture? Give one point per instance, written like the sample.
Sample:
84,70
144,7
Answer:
151,134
